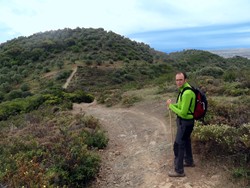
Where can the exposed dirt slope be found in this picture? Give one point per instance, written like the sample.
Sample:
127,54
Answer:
140,154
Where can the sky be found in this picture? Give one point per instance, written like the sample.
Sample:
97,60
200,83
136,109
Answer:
165,25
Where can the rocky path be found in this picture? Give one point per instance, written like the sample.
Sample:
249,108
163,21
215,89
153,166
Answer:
139,154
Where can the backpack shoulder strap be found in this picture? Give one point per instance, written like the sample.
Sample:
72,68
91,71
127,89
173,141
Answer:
187,88
181,93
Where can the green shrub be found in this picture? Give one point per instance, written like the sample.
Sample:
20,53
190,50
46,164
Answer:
96,139
79,96
230,113
235,89
24,87
230,144
17,106
51,99
230,76
56,151
211,71
221,135
14,94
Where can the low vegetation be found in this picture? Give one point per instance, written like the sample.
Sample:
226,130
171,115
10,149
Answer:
45,148
226,145
41,143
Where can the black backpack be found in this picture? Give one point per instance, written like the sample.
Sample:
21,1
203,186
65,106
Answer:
200,102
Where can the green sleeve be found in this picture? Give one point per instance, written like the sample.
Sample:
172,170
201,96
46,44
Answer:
175,105
181,109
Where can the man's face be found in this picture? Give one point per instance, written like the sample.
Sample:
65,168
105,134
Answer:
179,78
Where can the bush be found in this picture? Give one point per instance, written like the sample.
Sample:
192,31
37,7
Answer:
17,106
51,99
230,144
230,76
57,151
235,89
231,139
211,71
79,96
14,94
25,87
96,139
231,113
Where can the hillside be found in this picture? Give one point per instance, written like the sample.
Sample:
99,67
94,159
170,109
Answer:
46,58
32,64
50,83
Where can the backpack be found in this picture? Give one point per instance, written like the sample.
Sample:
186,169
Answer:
201,103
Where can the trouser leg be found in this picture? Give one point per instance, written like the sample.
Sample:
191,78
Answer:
179,147
188,152
179,151
182,144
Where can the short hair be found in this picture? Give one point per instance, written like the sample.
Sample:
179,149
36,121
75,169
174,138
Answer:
184,74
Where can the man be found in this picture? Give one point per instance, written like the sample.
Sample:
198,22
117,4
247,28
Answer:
185,123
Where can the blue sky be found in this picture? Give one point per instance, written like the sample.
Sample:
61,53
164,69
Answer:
166,25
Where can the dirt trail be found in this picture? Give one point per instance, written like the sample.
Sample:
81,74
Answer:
70,77
139,154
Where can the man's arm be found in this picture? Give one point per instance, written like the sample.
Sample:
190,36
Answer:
182,109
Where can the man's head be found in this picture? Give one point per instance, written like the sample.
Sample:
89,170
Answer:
180,79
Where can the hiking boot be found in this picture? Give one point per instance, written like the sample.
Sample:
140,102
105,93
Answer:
176,174
189,165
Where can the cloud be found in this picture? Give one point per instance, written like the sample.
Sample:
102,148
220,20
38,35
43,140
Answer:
24,18
30,16
203,37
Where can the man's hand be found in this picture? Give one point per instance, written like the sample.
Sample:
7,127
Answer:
169,101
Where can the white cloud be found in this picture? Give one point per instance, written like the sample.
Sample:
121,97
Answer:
121,16
183,13
35,16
